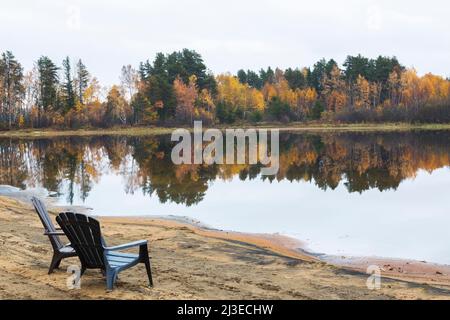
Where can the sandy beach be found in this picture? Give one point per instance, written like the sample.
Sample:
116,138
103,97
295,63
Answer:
193,263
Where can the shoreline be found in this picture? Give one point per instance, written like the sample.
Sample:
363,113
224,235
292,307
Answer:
286,245
409,270
193,263
279,244
151,130
391,267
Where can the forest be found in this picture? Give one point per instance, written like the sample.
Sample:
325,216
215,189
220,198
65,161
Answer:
178,88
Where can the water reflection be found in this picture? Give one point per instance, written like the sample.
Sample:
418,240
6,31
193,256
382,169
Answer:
363,161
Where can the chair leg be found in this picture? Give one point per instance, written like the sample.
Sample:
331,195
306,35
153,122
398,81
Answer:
110,279
83,270
143,253
56,260
149,271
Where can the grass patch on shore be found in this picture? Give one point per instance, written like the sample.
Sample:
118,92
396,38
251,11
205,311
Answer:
127,131
141,131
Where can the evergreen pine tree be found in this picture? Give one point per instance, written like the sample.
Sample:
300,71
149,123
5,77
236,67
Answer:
67,86
82,80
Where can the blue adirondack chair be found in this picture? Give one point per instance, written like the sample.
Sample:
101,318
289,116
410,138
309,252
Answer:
85,236
60,251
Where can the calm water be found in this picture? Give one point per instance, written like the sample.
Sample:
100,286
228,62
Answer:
377,194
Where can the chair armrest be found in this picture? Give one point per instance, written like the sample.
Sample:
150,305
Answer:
128,245
54,233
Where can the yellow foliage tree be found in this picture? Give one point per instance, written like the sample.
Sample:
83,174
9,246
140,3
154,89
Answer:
306,98
361,93
334,91
186,96
237,95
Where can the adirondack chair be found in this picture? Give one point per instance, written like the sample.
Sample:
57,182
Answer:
60,251
85,235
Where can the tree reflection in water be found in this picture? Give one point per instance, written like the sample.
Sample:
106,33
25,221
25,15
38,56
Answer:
363,161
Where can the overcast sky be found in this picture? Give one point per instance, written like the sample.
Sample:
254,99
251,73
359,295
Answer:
230,34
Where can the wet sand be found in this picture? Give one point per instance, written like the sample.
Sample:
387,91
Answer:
193,263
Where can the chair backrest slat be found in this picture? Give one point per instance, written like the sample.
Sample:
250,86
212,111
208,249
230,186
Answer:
85,236
81,228
46,222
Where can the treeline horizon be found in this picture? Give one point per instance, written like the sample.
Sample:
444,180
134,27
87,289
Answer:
177,88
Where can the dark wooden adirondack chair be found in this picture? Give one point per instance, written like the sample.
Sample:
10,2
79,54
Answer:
85,235
60,251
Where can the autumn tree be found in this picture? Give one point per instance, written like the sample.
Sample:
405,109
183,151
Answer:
334,91
230,98
394,85
306,100
117,108
361,93
91,111
11,88
236,99
206,106
129,79
186,96
280,90
31,96
93,108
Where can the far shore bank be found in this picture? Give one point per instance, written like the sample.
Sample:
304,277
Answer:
153,130
197,263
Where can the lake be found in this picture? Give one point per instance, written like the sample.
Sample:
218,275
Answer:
382,194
